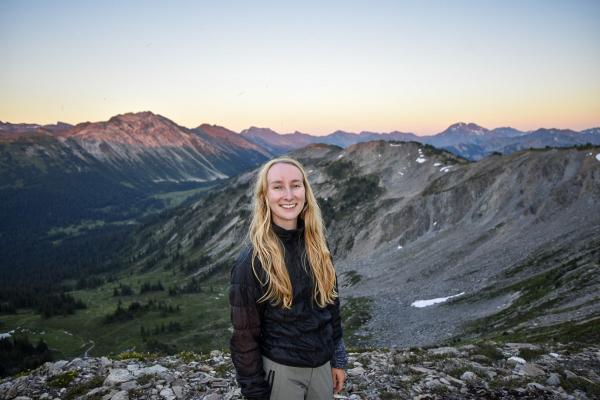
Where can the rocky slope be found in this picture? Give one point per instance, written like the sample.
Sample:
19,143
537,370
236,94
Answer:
516,240
475,371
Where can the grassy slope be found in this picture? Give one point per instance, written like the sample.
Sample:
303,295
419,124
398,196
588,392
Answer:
544,292
203,318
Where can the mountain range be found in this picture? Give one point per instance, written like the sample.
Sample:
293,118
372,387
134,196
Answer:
467,140
509,243
470,140
65,178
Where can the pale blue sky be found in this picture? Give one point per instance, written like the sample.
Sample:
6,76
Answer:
404,65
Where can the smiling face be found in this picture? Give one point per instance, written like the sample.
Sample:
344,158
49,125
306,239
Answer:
285,194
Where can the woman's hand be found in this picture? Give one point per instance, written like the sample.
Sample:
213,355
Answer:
338,376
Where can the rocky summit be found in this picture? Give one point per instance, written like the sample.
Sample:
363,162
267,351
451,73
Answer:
474,371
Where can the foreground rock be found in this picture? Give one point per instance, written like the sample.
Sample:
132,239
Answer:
483,371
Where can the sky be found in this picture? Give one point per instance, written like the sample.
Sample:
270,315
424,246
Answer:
314,67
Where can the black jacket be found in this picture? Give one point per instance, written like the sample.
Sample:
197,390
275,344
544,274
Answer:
303,336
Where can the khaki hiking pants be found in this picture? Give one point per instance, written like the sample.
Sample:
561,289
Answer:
296,383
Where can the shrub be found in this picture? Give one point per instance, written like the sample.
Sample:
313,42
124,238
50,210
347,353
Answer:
62,380
339,169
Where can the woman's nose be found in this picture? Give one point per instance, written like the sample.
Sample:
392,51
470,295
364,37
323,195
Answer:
288,193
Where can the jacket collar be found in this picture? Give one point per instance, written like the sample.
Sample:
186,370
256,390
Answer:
287,235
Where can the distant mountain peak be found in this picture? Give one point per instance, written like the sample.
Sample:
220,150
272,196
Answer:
463,125
341,132
554,131
462,128
214,128
144,129
206,124
254,130
139,114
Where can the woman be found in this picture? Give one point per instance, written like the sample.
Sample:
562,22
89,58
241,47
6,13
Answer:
287,335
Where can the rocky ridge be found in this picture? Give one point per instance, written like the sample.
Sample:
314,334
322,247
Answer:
142,148
473,371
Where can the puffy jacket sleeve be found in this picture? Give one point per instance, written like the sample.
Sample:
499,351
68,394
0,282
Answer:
246,319
340,358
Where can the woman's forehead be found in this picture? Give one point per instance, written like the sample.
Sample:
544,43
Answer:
283,172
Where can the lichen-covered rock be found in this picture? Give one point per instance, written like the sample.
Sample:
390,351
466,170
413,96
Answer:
469,372
117,376
468,376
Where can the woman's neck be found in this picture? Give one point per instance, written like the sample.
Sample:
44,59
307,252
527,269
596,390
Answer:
288,225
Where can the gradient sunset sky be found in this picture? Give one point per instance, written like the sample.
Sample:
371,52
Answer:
315,67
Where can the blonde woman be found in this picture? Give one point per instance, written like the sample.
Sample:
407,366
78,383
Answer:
287,335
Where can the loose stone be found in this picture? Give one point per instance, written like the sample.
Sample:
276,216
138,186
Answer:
431,374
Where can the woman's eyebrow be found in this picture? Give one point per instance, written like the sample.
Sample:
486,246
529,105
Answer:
279,181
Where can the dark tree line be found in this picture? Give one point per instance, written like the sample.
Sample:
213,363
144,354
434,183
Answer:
195,265
136,309
30,283
45,302
192,286
59,304
89,282
171,327
7,308
18,354
151,287
122,290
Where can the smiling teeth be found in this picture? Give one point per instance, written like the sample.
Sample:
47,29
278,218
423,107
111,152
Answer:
288,205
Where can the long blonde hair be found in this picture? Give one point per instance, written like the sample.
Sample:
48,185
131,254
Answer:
268,249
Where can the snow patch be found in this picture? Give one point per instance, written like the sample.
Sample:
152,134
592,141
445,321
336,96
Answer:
401,173
190,179
426,303
340,156
172,238
437,164
395,144
68,333
445,169
598,156
5,335
518,360
420,160
399,247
